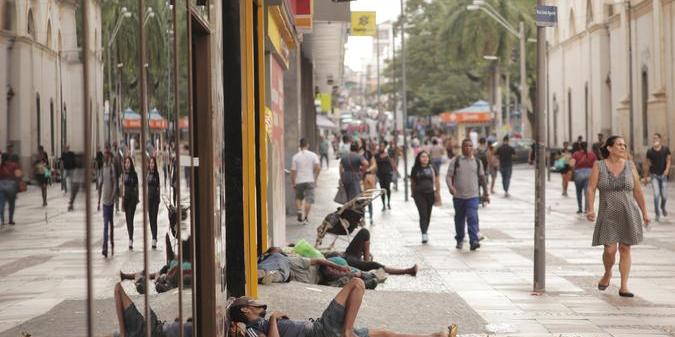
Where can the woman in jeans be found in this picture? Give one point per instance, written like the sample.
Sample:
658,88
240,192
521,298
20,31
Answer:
9,187
426,190
129,197
385,170
108,192
582,161
153,198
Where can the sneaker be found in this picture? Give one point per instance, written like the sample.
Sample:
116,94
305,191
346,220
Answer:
299,216
425,238
475,246
305,222
154,244
460,244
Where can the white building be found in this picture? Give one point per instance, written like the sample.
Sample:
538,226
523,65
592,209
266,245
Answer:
41,77
592,71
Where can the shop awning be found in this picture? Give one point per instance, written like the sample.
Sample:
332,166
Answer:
131,120
324,122
478,112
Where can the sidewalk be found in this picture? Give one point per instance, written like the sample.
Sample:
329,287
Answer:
496,280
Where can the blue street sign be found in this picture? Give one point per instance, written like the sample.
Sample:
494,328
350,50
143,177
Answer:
547,16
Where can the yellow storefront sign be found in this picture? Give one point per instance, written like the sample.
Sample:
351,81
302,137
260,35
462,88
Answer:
363,24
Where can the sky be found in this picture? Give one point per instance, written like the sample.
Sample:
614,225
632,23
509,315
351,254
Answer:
361,47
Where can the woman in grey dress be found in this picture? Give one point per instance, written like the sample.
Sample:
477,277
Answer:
619,220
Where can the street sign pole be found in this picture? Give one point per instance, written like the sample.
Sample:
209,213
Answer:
546,17
404,106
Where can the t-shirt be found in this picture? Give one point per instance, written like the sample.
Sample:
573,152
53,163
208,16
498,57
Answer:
303,164
658,160
424,180
287,328
278,262
505,154
466,178
303,271
437,151
583,160
323,147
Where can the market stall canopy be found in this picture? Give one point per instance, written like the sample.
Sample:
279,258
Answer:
324,122
132,120
478,112
156,121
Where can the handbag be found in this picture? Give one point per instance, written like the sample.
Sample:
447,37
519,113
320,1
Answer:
341,195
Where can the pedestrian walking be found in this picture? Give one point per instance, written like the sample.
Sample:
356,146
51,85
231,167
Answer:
323,151
657,166
305,169
582,161
437,154
42,172
505,153
369,174
153,198
99,175
481,152
426,190
108,192
68,162
493,165
76,180
619,223
350,171
118,160
563,166
395,154
465,178
598,145
9,187
129,196
345,147
164,158
385,172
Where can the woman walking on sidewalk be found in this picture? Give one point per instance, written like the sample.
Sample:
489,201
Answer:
582,161
129,197
108,192
9,187
42,172
385,171
153,198
619,222
493,165
426,190
566,170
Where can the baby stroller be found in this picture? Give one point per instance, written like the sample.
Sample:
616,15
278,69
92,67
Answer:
346,219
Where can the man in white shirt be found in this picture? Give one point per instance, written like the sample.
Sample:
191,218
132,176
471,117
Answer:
305,169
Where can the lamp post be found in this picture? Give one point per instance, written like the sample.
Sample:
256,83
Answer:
520,35
404,106
496,94
124,13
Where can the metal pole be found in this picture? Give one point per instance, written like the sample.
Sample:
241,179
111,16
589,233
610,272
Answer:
377,53
508,97
393,67
404,107
540,177
144,114
523,82
630,75
497,106
109,63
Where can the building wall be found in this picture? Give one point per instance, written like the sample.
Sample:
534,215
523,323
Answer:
592,51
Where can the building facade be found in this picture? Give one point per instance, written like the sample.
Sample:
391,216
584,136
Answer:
41,62
611,67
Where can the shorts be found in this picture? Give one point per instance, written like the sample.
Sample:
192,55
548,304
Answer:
305,191
332,322
134,323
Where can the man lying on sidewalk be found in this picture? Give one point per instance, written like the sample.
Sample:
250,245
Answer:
336,321
132,323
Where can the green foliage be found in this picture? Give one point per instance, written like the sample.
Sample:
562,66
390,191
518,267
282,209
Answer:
445,45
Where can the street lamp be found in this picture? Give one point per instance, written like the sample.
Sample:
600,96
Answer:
496,93
124,14
520,34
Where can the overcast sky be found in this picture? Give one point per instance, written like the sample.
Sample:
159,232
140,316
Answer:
361,47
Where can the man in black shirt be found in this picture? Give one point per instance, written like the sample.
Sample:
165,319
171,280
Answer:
658,168
598,145
505,154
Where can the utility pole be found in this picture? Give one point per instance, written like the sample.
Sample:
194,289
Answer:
404,104
629,20
377,55
540,147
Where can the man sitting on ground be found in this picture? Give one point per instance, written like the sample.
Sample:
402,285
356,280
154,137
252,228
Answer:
336,321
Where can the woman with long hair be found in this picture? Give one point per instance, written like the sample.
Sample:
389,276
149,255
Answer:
385,171
426,188
369,177
619,222
493,165
153,198
129,196
582,161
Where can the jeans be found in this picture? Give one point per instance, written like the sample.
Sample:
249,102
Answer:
506,176
660,185
324,156
8,190
581,177
108,226
129,212
466,212
153,209
424,203
436,164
